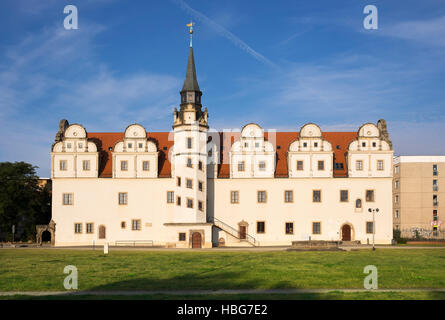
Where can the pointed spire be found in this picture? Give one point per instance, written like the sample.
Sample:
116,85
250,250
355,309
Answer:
190,83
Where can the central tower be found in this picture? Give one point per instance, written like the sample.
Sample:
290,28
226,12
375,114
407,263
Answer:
189,157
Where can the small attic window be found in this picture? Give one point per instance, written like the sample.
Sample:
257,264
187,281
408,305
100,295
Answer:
278,147
338,147
164,148
110,148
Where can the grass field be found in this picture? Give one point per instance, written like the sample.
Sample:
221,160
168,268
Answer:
42,270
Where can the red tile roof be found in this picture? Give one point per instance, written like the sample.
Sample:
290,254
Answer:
107,140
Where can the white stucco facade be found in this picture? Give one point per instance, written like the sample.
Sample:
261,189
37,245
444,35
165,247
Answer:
184,188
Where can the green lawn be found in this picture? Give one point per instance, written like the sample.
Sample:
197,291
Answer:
300,296
42,270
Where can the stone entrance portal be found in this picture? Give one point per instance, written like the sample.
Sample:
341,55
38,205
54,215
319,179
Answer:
51,228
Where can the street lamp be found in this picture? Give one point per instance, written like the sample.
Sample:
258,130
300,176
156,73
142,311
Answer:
373,226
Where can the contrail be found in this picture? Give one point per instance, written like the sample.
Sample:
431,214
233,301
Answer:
225,33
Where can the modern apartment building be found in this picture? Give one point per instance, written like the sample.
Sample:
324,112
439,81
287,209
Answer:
419,195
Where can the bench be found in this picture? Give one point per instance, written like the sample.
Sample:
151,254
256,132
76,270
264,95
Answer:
133,242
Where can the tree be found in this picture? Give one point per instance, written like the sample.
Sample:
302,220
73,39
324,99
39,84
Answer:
23,202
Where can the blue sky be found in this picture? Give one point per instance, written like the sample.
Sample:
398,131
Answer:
280,64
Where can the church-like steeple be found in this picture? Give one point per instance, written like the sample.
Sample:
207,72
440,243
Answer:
190,108
190,83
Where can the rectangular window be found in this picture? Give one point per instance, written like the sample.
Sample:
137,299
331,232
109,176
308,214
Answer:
344,196
130,145
397,214
140,145
300,165
190,203
123,198
67,199
370,195
435,172
123,224
262,165
369,227
339,166
182,236
86,165
189,163
170,197
145,165
289,228
397,169
262,197
396,199
124,165
380,165
77,228
136,224
241,166
435,186
320,165
189,143
435,201
189,183
359,165
178,181
234,196
316,195
316,227
288,196
200,165
63,166
200,184
396,184
200,206
260,227
89,227
178,201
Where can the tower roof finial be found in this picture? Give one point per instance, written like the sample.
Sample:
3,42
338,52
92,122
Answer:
190,25
191,82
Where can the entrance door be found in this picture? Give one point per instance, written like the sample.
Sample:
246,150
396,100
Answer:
346,233
196,240
242,232
102,233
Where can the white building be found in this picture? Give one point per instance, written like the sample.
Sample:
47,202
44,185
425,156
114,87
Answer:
192,187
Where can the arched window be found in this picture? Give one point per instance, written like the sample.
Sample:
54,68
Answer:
358,203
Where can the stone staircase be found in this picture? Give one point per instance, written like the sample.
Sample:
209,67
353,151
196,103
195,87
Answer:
233,232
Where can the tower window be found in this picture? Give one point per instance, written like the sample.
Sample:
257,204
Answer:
189,143
178,181
200,206
189,183
189,163
190,203
200,165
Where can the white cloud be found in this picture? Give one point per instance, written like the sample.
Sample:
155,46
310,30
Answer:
225,33
431,31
